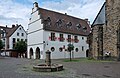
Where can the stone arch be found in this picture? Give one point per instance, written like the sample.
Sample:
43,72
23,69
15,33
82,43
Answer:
31,53
37,53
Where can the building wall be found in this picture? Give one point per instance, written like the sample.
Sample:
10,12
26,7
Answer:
20,30
35,34
35,22
39,38
94,43
56,44
110,37
110,34
35,40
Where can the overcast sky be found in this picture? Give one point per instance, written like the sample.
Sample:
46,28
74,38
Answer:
18,11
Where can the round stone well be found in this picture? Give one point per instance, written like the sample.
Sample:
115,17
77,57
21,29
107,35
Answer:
48,67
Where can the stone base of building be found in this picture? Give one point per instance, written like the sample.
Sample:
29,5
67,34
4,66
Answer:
111,58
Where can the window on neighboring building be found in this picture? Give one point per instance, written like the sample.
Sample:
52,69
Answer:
17,34
76,39
14,40
18,39
3,42
7,46
21,39
82,48
3,32
61,37
52,36
22,34
69,38
25,40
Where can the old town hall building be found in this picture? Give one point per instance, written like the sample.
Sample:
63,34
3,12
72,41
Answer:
105,36
53,31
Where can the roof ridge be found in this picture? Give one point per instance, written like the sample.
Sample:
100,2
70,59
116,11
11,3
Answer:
62,14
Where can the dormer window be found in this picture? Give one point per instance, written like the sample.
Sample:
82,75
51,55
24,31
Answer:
84,28
47,22
78,26
69,24
59,22
48,19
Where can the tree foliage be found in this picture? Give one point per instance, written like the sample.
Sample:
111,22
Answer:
70,47
21,46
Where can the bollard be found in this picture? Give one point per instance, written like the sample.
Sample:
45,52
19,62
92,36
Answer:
48,58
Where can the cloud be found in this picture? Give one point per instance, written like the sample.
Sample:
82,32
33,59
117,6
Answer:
18,11
12,12
78,8
8,18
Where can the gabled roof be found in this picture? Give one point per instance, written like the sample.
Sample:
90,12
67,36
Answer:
9,31
66,19
100,18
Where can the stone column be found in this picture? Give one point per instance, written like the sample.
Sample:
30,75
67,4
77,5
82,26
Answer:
48,58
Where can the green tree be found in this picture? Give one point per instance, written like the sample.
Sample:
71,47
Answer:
70,48
1,46
21,47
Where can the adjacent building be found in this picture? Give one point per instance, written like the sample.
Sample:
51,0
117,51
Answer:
53,31
11,35
106,30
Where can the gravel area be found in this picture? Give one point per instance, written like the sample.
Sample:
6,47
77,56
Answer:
22,68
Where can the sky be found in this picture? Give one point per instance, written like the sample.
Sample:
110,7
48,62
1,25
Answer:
18,11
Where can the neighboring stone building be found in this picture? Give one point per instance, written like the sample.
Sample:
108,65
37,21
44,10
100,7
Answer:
53,31
106,30
10,36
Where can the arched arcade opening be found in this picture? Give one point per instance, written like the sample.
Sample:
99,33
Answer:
31,53
37,53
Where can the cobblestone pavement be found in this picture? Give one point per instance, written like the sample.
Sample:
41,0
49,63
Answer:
22,68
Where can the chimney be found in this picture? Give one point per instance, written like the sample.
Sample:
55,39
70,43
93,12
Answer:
65,13
87,21
35,4
20,25
16,24
13,26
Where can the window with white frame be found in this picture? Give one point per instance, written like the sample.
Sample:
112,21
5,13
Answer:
17,33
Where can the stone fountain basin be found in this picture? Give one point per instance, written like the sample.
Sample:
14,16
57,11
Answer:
45,68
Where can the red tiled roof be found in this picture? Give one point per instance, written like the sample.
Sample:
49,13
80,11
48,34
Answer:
55,16
9,31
